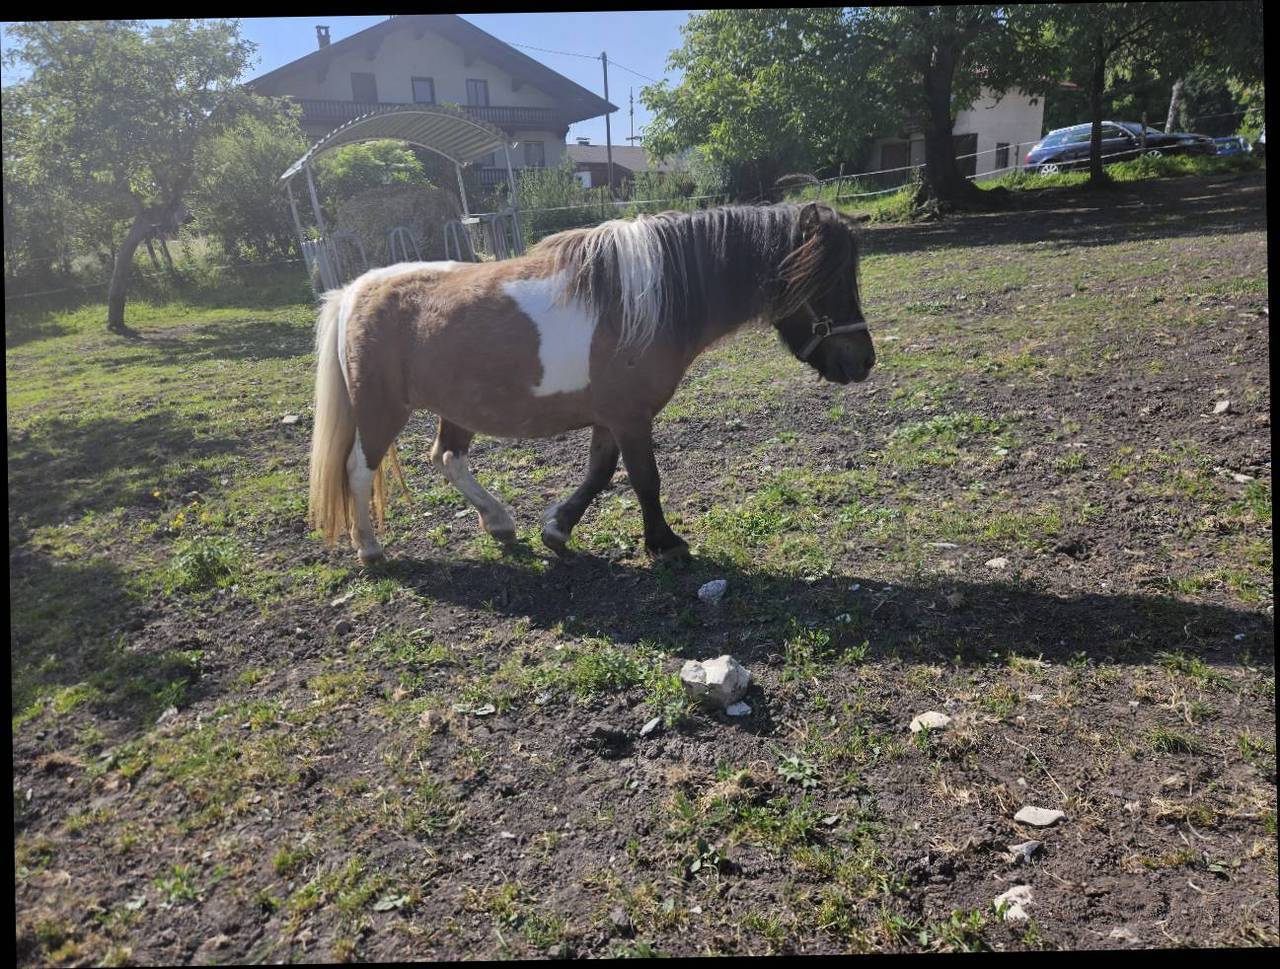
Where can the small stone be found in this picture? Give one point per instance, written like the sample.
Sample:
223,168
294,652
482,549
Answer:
343,627
999,562
289,419
1239,478
1240,637
621,920
1174,780
1222,407
955,600
1039,817
650,727
168,714
930,720
1013,901
1123,933
1024,852
342,599
738,709
1035,697
507,836
713,591
720,681
542,698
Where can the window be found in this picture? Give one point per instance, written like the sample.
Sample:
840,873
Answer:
424,90
477,92
1002,154
535,154
1077,136
364,88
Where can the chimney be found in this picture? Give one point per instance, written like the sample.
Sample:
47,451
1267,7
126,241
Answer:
322,36
584,141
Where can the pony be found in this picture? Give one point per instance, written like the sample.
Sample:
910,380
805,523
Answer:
592,327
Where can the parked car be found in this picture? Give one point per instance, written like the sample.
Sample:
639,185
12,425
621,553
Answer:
1068,148
1233,145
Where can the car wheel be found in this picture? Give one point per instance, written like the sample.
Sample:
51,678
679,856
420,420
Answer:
1050,168
1154,153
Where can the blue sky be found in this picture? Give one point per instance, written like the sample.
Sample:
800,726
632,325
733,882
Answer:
640,40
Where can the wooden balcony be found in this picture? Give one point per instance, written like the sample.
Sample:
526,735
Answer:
318,112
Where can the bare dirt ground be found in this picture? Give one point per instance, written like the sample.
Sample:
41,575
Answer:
1035,518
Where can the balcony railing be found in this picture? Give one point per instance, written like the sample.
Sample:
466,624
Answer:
316,111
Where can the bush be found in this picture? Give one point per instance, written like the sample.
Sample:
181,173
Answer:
372,214
237,196
350,170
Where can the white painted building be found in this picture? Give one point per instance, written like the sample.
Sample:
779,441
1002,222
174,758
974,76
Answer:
436,59
1000,130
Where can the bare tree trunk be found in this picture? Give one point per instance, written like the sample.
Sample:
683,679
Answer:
120,274
151,251
942,179
1097,84
1175,102
168,259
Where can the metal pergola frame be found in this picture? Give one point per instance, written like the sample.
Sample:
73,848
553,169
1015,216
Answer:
440,129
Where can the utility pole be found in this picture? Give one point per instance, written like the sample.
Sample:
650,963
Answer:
608,135
631,102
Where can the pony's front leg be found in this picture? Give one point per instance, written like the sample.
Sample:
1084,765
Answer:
642,469
449,454
560,518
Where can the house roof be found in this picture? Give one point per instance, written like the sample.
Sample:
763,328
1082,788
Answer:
575,101
440,128
635,159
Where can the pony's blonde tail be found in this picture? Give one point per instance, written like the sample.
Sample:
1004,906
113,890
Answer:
330,509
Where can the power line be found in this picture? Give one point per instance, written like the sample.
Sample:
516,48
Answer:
590,57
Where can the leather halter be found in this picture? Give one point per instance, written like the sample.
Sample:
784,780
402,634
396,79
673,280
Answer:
823,328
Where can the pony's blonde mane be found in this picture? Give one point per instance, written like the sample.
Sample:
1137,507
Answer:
675,269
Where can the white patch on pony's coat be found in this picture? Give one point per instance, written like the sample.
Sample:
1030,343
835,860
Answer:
564,328
353,288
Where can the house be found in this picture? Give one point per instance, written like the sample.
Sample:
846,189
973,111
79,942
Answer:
436,59
995,133
591,163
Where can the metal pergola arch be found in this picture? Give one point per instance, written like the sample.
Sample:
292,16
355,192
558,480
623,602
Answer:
440,129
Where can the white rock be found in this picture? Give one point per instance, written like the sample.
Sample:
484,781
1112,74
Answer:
1124,934
738,709
713,591
1239,478
289,419
720,681
1222,407
1015,898
1024,852
931,719
1039,817
650,727
999,562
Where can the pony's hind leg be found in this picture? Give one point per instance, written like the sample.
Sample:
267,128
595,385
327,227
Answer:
560,518
449,454
360,476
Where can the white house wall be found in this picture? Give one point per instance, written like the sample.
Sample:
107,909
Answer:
1015,119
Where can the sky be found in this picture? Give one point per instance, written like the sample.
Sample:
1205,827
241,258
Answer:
638,40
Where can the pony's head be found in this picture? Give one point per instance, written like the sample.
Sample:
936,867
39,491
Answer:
816,310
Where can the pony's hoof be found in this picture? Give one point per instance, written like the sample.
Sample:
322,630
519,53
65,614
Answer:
373,558
504,536
555,539
675,553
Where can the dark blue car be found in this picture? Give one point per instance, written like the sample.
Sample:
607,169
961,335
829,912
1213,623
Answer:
1068,148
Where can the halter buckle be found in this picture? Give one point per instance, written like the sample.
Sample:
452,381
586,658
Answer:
822,327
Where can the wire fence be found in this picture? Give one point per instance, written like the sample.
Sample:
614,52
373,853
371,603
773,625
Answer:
142,274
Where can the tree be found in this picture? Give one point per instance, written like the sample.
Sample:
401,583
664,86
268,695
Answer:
781,90
764,92
1105,41
122,109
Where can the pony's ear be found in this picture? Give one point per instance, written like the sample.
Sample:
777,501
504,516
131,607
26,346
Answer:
811,214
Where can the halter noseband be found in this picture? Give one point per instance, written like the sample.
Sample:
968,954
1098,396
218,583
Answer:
823,328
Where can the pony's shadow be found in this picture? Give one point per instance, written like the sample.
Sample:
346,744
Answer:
932,619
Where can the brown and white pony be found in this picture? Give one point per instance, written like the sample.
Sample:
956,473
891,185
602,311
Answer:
593,327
